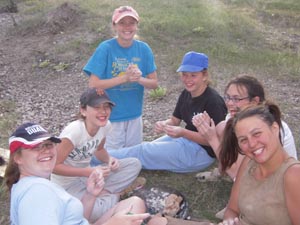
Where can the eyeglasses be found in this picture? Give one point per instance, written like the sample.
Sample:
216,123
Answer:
44,146
227,98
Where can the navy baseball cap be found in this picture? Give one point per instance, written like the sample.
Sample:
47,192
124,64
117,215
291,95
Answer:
29,135
92,97
193,62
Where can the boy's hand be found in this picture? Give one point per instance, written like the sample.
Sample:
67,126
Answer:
160,126
173,131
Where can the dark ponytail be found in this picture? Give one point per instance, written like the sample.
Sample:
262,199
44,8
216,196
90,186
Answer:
229,147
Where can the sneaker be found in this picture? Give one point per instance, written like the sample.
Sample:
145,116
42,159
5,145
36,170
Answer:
137,184
213,175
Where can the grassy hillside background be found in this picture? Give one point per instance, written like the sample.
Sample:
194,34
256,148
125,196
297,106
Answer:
259,37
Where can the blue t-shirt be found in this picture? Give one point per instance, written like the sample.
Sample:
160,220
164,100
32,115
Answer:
111,60
36,201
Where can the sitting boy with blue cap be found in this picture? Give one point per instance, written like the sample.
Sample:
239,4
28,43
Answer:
182,149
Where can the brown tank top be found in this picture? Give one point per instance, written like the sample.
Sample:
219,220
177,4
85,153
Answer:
263,202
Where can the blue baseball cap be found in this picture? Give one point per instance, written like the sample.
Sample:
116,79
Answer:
193,62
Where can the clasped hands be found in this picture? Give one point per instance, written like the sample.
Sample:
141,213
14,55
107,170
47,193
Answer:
205,125
172,131
133,73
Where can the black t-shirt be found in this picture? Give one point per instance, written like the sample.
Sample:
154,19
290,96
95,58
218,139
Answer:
210,101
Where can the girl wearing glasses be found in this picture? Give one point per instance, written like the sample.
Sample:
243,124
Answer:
36,200
240,92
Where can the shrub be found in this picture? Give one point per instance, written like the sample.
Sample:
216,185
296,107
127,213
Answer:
158,92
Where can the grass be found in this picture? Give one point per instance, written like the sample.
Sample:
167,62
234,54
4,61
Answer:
238,35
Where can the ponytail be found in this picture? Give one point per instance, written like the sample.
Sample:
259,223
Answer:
229,147
12,172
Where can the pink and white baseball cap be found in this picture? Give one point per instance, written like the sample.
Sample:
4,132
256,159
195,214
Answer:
123,11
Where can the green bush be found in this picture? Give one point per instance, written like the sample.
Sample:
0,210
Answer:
157,93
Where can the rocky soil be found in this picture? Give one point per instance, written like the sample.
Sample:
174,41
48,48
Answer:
33,72
42,72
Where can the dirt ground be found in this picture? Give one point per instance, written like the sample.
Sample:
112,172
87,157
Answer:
43,75
32,59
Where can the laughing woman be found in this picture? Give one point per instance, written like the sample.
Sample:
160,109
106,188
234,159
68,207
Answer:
266,190
36,200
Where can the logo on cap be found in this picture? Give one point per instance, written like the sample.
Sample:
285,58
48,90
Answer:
28,136
35,129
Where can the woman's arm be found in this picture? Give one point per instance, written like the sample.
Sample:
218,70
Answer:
193,136
150,81
96,82
232,210
63,150
103,156
292,193
94,186
101,152
171,128
160,125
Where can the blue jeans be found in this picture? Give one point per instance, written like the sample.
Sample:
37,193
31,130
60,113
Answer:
178,155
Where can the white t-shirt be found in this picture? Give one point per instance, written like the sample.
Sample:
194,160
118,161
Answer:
288,140
84,147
